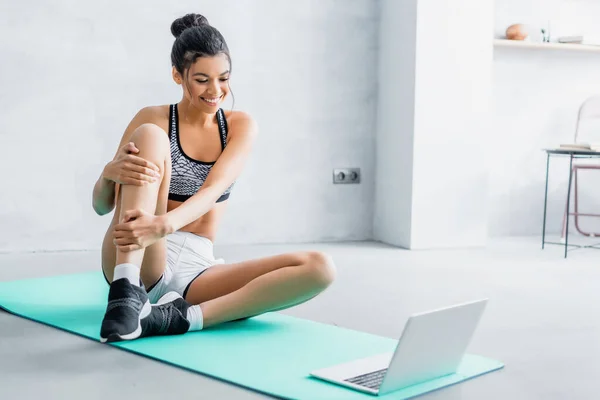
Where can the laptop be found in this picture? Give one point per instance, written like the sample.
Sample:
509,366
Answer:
432,345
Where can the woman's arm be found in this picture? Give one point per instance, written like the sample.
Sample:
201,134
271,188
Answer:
103,196
229,165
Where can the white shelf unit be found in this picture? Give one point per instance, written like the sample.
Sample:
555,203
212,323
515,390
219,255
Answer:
519,44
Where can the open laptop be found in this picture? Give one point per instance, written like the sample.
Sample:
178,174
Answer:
432,345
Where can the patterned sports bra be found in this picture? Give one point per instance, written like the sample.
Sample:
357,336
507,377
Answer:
188,175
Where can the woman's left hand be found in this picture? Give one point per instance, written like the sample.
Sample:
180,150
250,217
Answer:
138,229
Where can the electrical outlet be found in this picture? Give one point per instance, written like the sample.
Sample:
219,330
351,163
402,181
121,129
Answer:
346,175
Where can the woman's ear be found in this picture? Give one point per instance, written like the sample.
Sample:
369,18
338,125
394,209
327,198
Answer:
177,76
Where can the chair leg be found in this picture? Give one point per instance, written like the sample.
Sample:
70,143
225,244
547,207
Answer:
563,231
576,202
576,210
564,223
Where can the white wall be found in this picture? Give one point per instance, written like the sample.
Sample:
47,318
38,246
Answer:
536,96
452,109
395,122
433,123
74,73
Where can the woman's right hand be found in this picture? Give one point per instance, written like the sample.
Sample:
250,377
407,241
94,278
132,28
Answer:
128,169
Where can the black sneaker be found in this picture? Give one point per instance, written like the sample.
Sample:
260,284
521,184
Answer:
168,317
127,305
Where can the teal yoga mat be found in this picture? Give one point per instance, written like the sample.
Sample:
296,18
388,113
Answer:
271,353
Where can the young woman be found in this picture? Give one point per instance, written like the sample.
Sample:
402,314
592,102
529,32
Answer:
169,183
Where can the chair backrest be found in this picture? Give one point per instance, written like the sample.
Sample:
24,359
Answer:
588,111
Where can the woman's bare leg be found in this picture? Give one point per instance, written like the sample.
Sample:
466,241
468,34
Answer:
128,304
153,145
234,291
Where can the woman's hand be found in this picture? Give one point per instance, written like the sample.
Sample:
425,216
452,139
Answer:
127,169
139,229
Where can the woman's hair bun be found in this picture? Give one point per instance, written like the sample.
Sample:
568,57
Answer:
187,21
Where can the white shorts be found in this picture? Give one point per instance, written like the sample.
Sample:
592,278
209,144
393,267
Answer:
188,256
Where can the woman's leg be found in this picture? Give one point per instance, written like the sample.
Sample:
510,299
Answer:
128,303
233,291
153,145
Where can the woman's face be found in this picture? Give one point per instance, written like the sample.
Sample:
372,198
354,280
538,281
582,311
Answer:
206,83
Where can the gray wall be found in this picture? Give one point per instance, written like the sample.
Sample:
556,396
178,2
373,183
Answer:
74,73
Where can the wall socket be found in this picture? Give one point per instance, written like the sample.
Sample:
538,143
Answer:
346,175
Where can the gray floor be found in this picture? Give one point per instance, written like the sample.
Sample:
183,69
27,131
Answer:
542,322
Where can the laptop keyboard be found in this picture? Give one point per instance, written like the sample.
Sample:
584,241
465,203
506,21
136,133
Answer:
372,380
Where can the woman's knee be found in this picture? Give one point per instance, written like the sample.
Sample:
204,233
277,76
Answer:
150,138
321,267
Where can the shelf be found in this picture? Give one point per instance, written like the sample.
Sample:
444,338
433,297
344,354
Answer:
546,46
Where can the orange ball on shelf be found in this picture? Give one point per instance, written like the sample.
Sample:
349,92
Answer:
516,32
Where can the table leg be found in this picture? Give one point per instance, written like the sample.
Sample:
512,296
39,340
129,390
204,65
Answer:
568,204
545,202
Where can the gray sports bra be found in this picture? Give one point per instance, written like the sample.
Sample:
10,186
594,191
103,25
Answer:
187,174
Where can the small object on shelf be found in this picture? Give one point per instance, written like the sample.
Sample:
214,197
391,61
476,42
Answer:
571,39
546,33
516,32
580,146
545,36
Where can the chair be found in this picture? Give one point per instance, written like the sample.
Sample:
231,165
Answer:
589,110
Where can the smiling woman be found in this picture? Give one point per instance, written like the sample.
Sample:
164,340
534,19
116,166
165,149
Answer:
168,184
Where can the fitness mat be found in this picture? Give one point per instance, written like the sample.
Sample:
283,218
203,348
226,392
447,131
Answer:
271,353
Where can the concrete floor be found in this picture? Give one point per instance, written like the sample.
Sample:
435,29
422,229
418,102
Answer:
543,322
